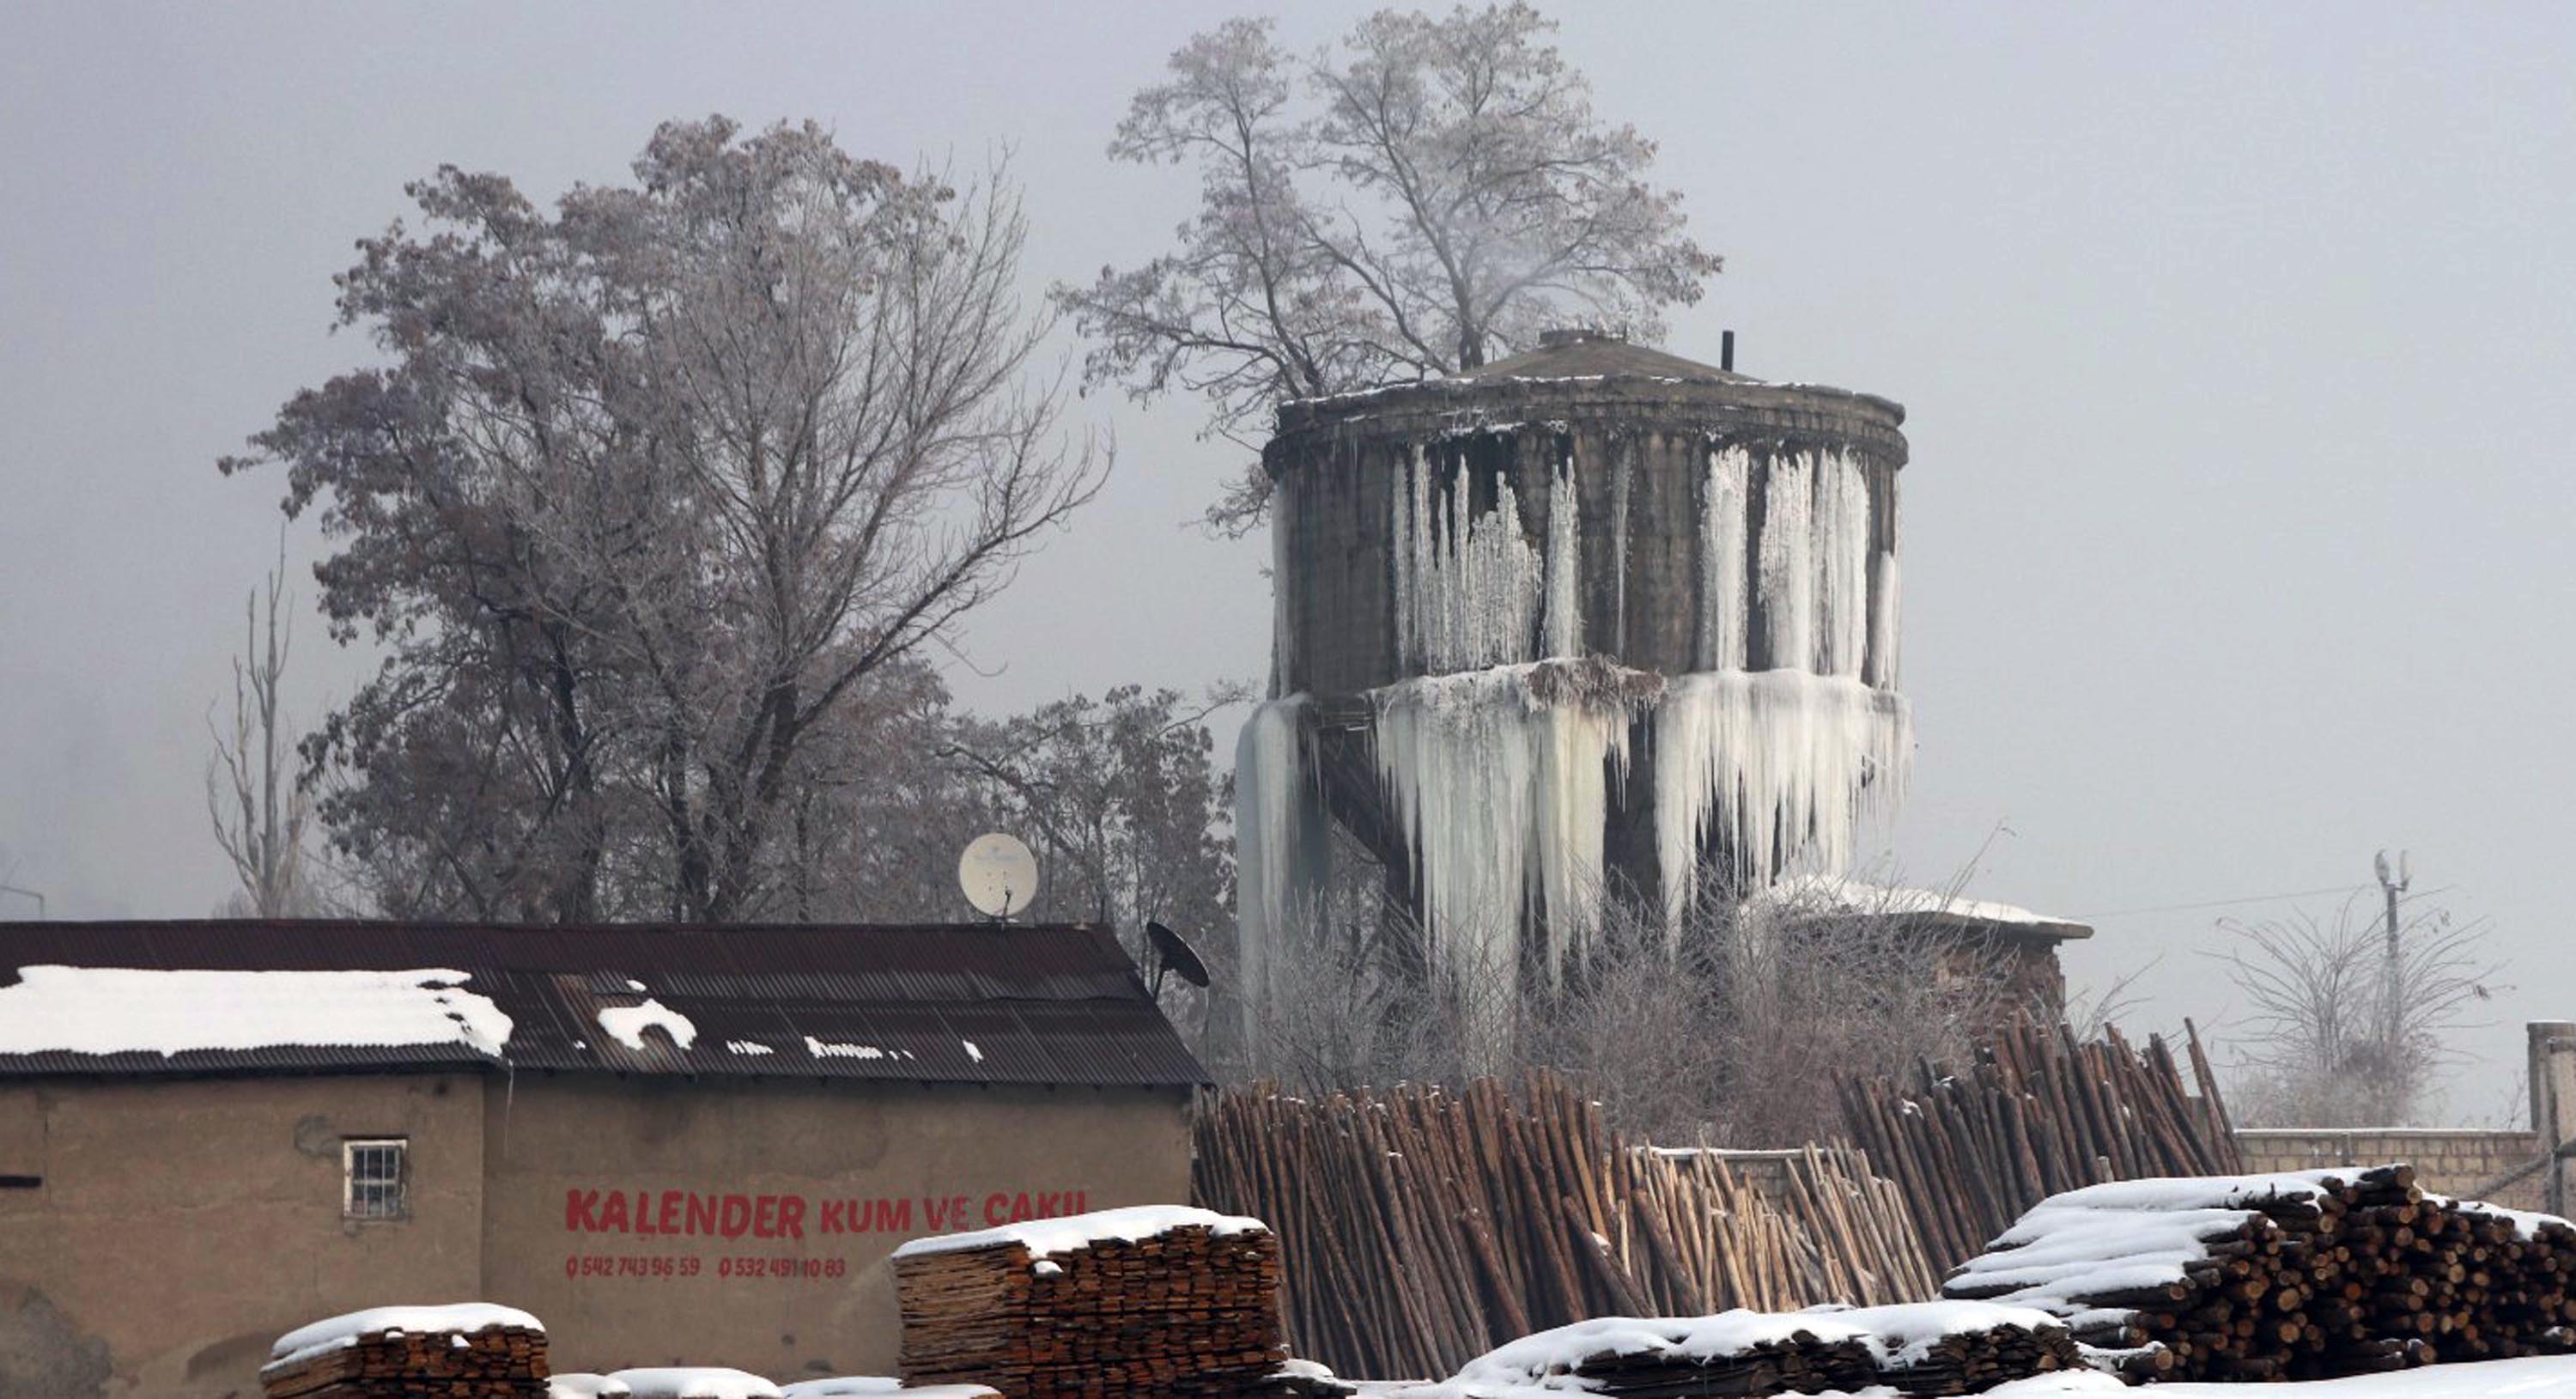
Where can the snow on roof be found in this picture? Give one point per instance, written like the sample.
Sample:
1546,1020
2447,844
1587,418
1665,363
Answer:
1896,1336
1830,894
343,1331
582,1386
125,1010
627,1024
871,1386
709,1382
1042,1237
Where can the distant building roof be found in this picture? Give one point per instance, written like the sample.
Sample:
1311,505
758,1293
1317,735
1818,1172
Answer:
1584,354
1058,1004
1828,897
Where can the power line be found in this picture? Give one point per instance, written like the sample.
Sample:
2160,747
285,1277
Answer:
2224,903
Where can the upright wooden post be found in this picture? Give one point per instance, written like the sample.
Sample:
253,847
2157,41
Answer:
2553,1100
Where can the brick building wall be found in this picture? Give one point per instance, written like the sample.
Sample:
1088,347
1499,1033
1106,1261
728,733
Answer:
2447,1160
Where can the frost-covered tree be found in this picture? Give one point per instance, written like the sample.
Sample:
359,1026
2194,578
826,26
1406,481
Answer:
645,488
1423,197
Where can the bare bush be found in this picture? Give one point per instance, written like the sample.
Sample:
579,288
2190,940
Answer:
2339,1035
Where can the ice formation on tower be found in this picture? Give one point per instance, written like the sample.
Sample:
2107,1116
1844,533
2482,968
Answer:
1471,590
1503,763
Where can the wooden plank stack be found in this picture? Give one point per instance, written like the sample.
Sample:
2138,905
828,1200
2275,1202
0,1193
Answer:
2036,1114
1422,1226
2308,1275
1932,1349
1165,1301
470,1352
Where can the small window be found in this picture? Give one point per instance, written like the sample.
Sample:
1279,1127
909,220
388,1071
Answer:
375,1175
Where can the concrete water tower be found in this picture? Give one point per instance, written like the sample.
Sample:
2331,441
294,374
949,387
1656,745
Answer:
1592,617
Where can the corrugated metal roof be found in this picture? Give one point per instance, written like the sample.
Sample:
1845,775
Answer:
1058,1004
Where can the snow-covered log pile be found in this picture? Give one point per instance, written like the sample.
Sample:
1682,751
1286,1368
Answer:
2304,1275
1924,1348
2036,1114
472,1351
1156,1299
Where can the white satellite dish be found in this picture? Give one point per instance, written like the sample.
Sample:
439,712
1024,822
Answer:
999,875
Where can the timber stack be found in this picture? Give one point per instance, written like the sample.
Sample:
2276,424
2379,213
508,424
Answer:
1423,1226
1158,1299
1934,1348
470,1351
2305,1275
2038,1112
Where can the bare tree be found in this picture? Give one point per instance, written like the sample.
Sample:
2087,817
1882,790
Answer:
253,799
1423,198
2338,1037
646,491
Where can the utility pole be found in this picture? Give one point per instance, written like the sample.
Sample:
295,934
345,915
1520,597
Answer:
2394,1027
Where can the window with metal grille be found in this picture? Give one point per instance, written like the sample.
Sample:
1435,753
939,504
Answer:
374,1174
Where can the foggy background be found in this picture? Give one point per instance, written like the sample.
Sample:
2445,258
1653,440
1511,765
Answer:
2236,345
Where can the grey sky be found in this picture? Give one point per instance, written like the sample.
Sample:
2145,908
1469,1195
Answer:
2238,344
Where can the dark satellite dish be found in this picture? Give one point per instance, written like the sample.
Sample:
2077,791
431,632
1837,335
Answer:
1173,953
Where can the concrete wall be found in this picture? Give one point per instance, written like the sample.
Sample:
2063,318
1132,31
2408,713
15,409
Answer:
181,1226
2447,1161
794,1281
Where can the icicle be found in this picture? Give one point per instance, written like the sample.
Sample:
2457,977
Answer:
1563,634
1778,765
1503,797
1283,633
1471,591
1886,597
1788,561
1281,845
1721,554
1842,564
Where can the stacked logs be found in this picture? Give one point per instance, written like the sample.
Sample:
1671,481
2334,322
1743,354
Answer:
468,1352
1422,1226
1932,1349
2302,1276
2037,1113
1165,1301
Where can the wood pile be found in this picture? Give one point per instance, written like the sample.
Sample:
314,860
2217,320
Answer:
2300,1276
1933,1349
1164,1301
380,1356
1422,1227
2036,1114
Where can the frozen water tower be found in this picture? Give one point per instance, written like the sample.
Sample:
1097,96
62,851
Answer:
1592,617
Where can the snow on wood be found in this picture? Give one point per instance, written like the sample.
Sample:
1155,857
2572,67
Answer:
586,1386
123,1010
2552,1377
872,1386
339,1332
1923,1347
2302,1274
1042,1237
627,1024
833,1049
1833,894
679,1382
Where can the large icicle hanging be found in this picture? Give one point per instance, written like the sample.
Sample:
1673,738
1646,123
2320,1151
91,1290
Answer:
1471,590
1788,552
1562,634
1780,764
1503,795
1886,600
1721,553
1281,844
1842,565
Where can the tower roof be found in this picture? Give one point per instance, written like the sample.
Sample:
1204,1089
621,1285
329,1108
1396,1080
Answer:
1587,354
